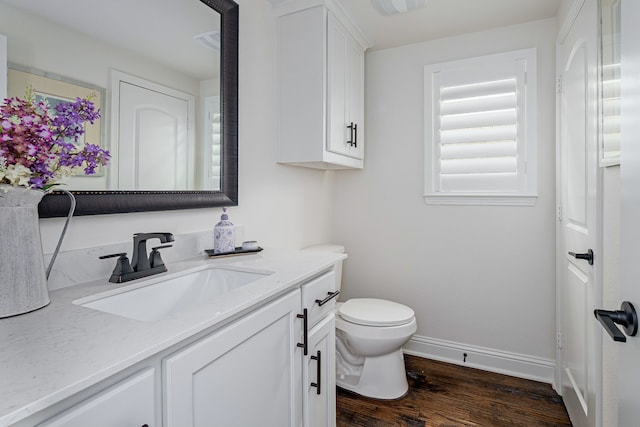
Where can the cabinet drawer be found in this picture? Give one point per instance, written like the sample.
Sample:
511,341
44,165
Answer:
130,402
319,289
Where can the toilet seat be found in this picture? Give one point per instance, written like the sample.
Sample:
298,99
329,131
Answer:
375,312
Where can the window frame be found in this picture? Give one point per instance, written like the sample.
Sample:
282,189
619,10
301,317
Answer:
526,193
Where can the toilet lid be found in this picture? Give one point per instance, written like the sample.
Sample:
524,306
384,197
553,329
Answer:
375,312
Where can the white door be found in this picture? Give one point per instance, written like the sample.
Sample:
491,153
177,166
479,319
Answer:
629,352
578,280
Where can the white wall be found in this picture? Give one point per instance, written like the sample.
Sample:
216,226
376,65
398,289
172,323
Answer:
279,206
478,276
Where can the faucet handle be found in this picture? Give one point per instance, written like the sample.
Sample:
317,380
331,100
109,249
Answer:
154,257
123,266
123,254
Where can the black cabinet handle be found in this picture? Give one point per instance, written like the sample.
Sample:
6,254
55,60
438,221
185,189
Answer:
329,297
350,127
318,359
626,317
588,256
305,337
355,131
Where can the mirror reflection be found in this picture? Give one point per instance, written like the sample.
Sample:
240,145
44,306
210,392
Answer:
154,71
610,81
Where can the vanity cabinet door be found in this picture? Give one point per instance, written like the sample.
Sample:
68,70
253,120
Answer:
246,374
130,403
345,79
319,376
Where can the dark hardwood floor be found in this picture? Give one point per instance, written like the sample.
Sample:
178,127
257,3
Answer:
442,394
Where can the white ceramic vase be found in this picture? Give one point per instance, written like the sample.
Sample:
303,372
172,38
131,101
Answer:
23,282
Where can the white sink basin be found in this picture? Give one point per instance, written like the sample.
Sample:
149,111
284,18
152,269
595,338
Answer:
158,298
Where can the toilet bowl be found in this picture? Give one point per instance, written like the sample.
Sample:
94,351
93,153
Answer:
370,333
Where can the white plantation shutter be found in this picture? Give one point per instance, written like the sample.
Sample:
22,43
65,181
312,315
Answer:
480,130
610,113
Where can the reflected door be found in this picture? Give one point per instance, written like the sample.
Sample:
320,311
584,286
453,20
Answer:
155,149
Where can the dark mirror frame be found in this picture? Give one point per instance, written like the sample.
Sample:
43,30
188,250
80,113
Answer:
57,204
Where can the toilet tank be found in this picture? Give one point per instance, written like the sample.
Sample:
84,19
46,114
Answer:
338,265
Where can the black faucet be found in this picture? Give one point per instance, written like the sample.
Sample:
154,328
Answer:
141,265
139,260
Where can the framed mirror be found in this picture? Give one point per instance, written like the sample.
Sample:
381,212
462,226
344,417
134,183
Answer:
130,39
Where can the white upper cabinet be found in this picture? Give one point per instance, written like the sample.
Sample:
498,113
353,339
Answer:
320,90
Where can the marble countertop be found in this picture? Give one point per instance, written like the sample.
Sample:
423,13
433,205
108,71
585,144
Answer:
58,351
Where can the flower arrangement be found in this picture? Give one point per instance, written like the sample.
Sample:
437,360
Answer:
39,147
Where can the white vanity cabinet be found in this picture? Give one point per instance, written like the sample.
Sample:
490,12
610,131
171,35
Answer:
270,364
130,402
273,367
246,374
320,90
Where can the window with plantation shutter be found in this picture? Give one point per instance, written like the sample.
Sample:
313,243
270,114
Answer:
480,130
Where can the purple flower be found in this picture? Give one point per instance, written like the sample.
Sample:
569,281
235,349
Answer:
34,138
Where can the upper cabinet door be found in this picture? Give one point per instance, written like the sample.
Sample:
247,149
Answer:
355,57
345,60
337,87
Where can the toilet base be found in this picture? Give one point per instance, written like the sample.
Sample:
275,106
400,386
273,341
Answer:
382,377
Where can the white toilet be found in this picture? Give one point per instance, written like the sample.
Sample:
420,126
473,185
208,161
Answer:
370,334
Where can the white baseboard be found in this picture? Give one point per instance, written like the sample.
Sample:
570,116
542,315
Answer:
487,359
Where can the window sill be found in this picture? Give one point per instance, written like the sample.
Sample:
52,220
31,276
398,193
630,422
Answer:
481,199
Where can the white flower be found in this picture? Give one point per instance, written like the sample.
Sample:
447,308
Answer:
17,175
3,168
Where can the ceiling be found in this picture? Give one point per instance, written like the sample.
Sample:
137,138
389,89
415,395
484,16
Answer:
443,18
156,28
